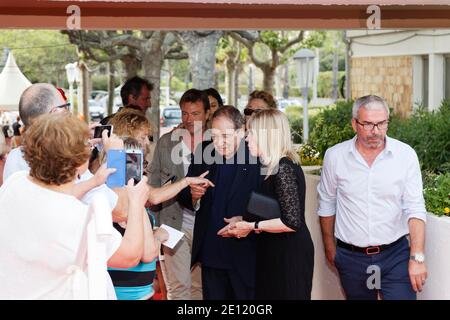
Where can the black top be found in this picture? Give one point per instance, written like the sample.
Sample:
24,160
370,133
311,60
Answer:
285,261
240,252
214,252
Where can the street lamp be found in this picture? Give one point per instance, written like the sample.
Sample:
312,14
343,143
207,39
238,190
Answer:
71,73
304,59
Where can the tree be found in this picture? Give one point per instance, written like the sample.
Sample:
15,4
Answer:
148,47
40,54
201,46
234,56
269,49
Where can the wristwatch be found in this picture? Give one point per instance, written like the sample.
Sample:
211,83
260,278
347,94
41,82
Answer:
419,257
256,228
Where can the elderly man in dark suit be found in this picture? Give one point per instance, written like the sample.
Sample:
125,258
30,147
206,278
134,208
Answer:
228,264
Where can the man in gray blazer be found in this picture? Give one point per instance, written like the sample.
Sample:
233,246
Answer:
171,161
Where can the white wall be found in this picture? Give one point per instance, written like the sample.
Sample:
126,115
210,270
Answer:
437,255
431,43
399,43
326,284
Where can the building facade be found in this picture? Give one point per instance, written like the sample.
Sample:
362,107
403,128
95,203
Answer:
409,68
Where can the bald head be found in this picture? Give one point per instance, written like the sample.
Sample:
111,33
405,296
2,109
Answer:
38,99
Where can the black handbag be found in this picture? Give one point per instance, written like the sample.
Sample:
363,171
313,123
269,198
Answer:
263,207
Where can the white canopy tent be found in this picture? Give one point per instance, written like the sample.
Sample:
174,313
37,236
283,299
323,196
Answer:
12,84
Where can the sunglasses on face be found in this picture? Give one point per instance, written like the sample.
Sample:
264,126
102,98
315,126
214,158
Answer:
249,112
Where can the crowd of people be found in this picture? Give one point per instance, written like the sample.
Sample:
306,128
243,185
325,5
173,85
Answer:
201,179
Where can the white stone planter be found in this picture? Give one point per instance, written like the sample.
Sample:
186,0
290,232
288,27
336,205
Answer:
437,253
326,284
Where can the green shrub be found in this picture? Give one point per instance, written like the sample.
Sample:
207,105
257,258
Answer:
428,133
436,192
99,82
296,123
332,125
325,83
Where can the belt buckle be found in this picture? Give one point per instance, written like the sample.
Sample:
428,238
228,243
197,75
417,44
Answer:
372,250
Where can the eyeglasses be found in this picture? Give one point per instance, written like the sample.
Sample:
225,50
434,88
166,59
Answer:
368,126
65,106
249,112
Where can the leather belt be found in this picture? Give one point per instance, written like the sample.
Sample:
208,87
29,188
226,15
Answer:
368,250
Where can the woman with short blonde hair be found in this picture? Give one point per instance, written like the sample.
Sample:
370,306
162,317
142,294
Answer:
273,136
284,246
134,124
131,123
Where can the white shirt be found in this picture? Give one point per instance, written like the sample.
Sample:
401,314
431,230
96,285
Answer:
15,162
40,236
188,215
372,204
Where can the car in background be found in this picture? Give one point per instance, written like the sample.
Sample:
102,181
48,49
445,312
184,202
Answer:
98,94
284,103
116,105
96,111
170,116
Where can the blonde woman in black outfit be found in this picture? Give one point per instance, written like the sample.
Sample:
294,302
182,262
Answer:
285,251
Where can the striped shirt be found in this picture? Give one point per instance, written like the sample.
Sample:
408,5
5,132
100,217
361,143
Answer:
134,283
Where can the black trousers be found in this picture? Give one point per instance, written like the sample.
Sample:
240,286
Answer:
221,284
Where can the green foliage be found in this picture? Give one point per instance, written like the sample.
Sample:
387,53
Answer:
99,82
295,116
333,42
436,192
428,133
314,39
40,54
331,126
325,84
273,39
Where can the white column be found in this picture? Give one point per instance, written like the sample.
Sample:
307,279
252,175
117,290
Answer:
315,75
436,81
417,94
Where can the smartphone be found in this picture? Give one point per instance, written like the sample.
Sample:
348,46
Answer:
116,159
134,164
99,129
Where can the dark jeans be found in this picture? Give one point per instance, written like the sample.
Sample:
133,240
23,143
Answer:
220,284
359,273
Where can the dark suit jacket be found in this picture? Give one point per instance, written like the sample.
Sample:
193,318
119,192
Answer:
247,179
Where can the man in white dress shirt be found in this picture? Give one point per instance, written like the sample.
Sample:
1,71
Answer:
370,199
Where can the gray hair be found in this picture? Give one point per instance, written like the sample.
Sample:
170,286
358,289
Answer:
232,114
36,100
370,102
